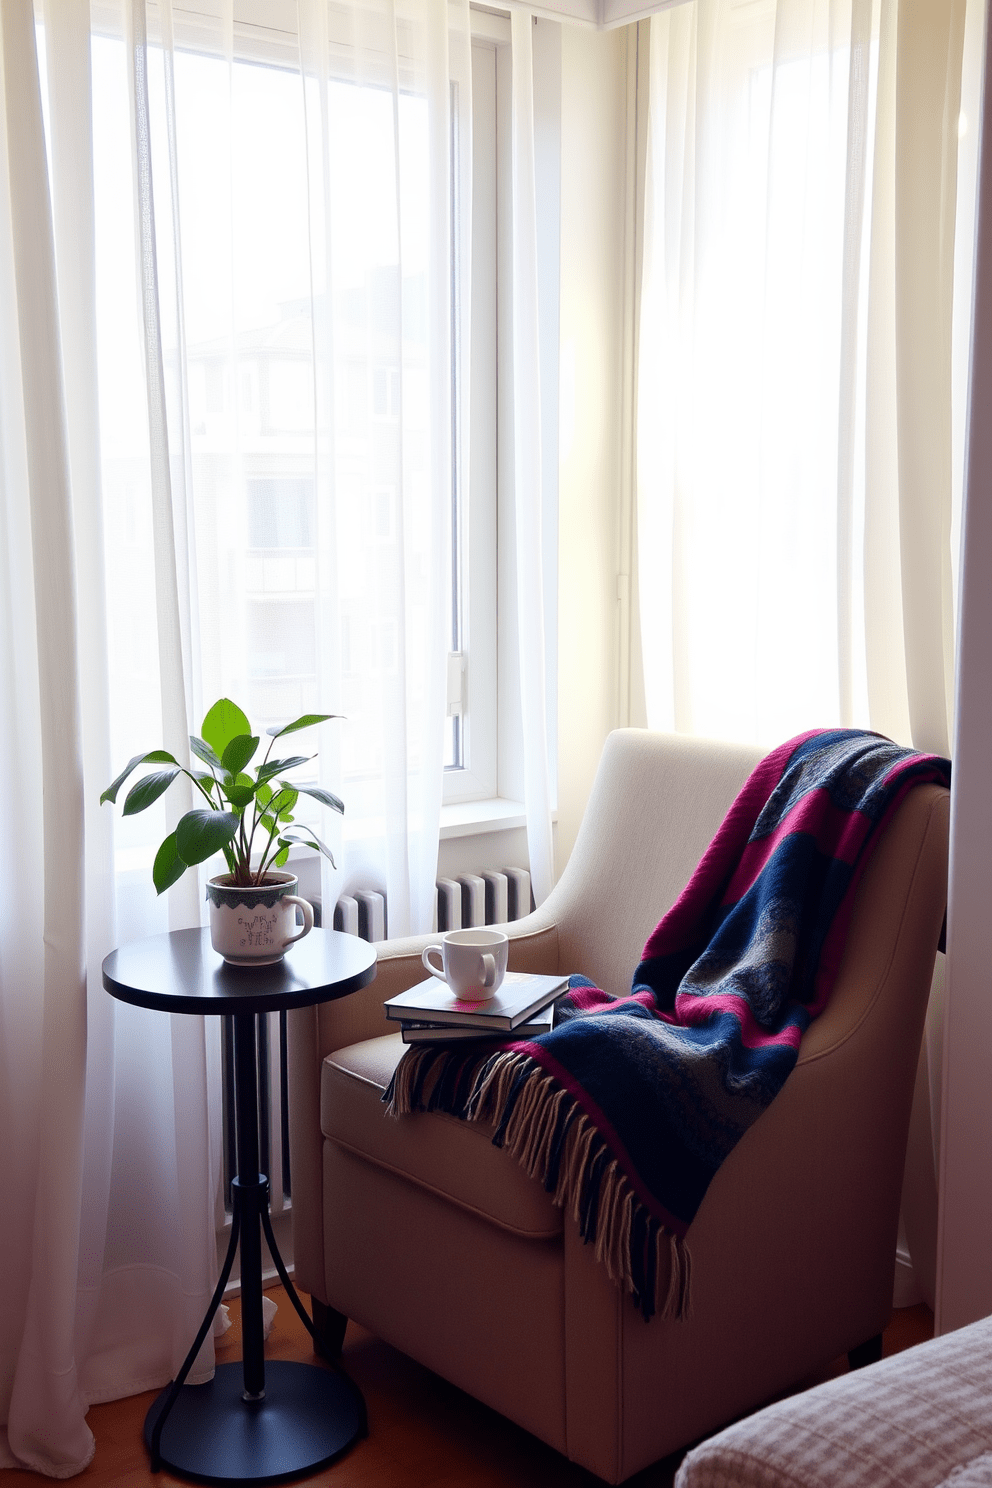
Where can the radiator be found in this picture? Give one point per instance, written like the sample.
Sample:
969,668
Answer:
485,898
482,899
362,913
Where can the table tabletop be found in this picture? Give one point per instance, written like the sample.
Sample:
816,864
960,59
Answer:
180,972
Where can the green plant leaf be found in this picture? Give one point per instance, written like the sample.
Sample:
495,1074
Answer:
241,781
286,816
312,840
275,767
239,795
323,796
148,790
281,857
204,752
223,723
263,794
168,867
154,756
239,752
207,780
199,834
268,822
284,799
307,721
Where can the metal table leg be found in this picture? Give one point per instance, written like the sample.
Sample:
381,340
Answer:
254,1421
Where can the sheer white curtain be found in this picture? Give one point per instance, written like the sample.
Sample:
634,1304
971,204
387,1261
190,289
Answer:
803,351
42,1013
390,334
228,322
528,505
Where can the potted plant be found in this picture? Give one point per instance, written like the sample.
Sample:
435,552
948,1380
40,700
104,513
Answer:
248,816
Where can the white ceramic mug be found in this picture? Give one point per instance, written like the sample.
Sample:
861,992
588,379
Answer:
254,927
473,962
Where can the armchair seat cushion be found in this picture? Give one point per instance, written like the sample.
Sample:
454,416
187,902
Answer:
454,1159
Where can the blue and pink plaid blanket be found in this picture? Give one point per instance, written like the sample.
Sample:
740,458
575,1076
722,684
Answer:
627,1108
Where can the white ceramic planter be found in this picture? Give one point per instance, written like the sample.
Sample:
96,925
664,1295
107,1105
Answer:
254,927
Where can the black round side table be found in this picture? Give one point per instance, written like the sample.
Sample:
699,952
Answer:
251,1422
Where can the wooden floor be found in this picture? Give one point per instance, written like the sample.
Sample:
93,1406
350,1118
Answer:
423,1433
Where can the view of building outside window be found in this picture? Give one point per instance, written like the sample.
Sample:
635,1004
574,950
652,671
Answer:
260,391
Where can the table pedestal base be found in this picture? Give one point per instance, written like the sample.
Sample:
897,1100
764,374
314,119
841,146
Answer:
308,1417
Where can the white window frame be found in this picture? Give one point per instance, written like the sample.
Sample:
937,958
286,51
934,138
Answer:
485,790
476,778
487,793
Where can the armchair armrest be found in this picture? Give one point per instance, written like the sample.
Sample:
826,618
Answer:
315,1032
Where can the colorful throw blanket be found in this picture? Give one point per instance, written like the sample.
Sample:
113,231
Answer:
627,1108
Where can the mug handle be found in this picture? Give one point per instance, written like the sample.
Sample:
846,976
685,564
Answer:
437,971
489,969
307,918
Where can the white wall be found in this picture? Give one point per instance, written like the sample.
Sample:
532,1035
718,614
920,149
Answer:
964,1243
592,259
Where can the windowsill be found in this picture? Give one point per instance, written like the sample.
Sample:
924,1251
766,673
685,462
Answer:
459,819
469,818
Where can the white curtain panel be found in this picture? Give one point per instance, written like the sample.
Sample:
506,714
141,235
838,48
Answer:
227,333
527,465
42,1017
803,354
796,431
389,231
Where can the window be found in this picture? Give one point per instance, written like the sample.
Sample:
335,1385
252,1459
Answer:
249,375
280,513
472,686
386,392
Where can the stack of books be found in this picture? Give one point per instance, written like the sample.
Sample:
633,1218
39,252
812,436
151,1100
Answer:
521,1008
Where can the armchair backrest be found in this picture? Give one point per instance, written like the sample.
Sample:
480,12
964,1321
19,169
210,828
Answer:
656,803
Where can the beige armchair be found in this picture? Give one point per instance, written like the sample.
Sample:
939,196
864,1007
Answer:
438,1242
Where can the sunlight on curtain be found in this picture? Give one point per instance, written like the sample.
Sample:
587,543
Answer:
527,465
795,497
803,367
305,251
42,978
257,237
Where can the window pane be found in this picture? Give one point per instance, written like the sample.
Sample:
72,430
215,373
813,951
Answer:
297,389
280,639
280,513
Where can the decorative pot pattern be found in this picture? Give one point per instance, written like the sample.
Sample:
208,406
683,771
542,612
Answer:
254,926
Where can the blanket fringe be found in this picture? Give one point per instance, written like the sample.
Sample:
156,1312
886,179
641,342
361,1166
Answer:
544,1128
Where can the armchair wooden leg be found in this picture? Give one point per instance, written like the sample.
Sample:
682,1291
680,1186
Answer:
866,1353
329,1326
